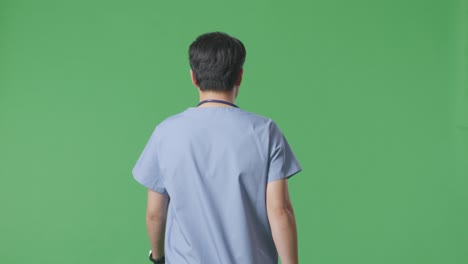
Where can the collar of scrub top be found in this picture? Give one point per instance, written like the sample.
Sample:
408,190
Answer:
217,101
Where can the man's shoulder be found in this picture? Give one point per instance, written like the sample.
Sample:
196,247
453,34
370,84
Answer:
167,121
252,116
266,120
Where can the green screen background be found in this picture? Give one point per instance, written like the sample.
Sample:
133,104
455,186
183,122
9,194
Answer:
371,95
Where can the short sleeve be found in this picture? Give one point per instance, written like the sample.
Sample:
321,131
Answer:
146,170
282,161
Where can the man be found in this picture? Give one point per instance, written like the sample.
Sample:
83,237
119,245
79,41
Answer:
217,174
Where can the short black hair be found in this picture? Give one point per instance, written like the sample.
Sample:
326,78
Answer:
216,60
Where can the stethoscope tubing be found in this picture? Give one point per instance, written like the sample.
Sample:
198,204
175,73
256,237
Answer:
217,101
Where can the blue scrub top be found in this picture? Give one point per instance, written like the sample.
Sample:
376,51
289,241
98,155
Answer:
215,163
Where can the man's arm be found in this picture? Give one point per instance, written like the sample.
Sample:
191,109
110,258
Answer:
282,221
156,213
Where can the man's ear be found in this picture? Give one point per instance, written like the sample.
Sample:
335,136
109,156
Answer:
192,76
239,79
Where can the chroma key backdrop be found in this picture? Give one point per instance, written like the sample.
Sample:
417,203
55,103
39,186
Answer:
372,96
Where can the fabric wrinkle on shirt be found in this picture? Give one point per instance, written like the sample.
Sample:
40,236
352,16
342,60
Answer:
215,163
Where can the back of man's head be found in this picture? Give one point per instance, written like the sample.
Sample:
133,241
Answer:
216,60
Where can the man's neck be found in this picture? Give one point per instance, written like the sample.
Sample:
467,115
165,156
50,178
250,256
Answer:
224,96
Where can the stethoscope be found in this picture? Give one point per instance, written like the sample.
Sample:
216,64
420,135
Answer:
217,101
